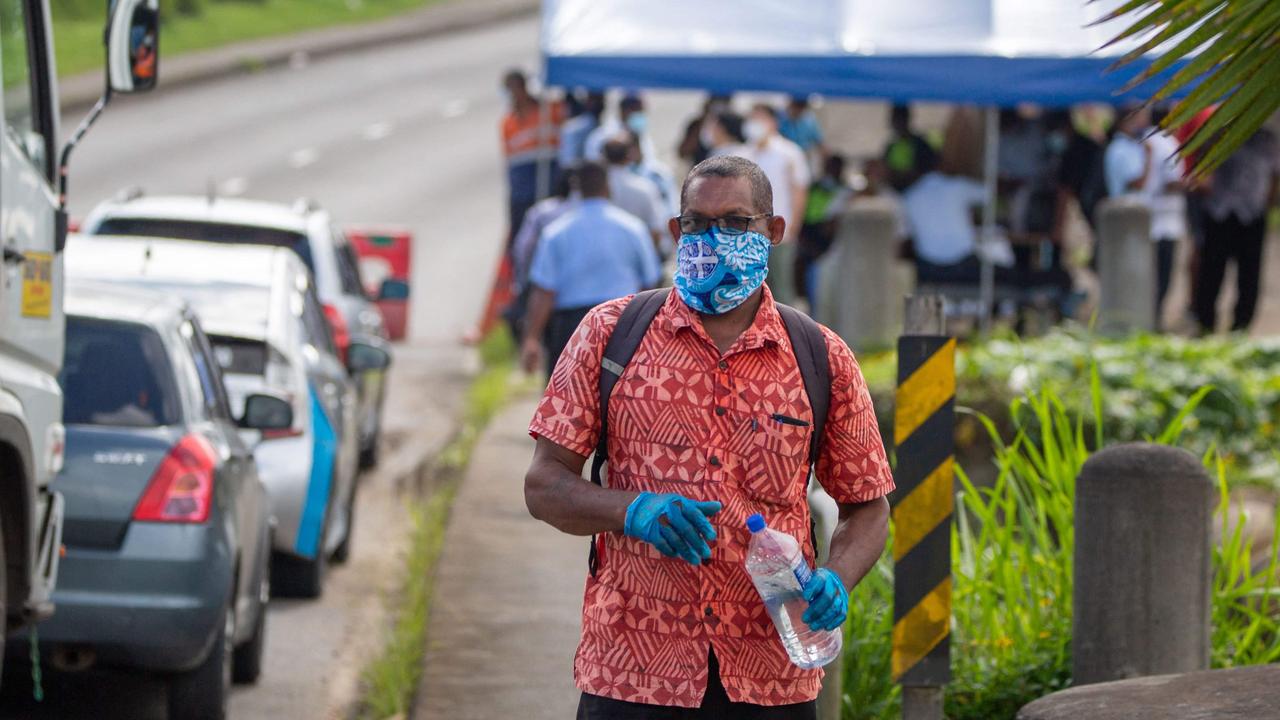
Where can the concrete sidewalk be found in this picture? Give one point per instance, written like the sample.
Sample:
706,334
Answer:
508,595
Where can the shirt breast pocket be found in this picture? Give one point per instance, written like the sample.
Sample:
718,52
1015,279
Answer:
778,462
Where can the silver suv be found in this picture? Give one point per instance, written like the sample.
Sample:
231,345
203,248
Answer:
302,227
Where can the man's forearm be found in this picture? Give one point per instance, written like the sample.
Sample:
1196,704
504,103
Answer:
859,539
538,315
562,499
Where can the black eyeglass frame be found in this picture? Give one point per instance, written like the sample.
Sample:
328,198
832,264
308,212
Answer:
704,223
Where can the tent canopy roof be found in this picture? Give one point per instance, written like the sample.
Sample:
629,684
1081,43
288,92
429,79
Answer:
991,52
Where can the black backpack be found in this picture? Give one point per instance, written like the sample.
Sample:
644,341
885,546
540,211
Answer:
807,342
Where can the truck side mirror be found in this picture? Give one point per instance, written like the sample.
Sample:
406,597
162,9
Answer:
133,45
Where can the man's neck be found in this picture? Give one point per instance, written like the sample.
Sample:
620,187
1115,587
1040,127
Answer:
727,328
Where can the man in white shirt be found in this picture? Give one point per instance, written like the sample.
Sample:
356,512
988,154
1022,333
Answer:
1163,190
787,168
633,193
783,163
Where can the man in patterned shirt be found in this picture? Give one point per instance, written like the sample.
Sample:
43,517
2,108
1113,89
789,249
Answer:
708,424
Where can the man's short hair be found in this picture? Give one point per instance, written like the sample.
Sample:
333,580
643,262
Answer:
593,181
616,150
732,166
514,75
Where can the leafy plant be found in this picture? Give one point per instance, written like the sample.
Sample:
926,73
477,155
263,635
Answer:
1228,54
1012,554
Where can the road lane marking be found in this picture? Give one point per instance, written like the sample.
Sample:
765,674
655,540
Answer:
455,108
303,157
376,131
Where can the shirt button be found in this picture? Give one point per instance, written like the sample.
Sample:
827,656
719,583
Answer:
708,612
724,364
720,411
715,461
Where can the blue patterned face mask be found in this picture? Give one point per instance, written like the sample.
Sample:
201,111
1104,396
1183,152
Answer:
716,273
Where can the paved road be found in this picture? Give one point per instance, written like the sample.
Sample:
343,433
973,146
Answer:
404,135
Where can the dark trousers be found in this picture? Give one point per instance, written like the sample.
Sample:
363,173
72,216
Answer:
1226,240
715,706
1166,251
560,329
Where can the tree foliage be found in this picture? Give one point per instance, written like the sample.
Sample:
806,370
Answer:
1226,52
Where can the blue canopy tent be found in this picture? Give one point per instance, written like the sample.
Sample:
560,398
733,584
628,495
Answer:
994,53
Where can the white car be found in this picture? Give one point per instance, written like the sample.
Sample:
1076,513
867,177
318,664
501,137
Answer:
269,336
302,227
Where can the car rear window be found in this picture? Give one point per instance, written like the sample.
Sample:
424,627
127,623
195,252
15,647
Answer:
208,232
236,355
116,374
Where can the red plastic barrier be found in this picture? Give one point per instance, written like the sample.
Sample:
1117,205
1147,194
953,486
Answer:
385,254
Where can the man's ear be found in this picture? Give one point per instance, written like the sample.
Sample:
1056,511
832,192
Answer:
673,227
777,229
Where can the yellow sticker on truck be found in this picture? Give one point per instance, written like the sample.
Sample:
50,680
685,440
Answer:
37,285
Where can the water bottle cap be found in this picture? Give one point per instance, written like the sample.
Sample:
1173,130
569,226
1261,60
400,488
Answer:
756,523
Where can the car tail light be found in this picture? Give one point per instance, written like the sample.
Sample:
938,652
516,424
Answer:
341,335
181,490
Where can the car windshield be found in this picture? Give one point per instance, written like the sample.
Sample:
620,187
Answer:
208,232
116,374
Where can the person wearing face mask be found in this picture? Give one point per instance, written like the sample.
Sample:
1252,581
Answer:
788,171
631,117
709,421
694,144
723,135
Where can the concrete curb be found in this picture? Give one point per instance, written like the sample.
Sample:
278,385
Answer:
80,91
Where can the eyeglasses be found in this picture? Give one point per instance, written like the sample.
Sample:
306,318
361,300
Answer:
729,224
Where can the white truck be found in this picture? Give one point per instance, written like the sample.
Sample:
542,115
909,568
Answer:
33,230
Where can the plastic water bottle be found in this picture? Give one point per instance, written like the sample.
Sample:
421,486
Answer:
779,571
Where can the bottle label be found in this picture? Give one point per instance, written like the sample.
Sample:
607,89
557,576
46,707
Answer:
802,572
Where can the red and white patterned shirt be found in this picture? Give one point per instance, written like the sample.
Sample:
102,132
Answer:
685,419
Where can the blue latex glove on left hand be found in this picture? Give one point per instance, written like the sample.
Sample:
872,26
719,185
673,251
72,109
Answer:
828,600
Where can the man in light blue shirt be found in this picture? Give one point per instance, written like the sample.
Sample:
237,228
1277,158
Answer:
1127,157
594,253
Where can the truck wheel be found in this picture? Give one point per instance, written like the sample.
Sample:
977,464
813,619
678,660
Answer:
246,664
4,600
201,694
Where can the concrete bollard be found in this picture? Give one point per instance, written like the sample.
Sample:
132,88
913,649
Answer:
1142,564
860,297
1126,266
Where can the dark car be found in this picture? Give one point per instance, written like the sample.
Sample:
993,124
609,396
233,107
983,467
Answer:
167,524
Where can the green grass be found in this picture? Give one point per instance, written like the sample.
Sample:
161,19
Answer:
389,682
78,24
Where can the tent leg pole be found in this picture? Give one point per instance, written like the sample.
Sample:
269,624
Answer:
990,169
542,186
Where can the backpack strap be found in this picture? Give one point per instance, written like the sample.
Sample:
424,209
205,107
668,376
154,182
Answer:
810,349
622,344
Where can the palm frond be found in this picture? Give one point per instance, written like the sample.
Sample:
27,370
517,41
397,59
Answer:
1227,53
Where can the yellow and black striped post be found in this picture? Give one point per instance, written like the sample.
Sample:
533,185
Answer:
924,418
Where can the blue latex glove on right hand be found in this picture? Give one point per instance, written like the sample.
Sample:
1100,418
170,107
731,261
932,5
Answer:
675,525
